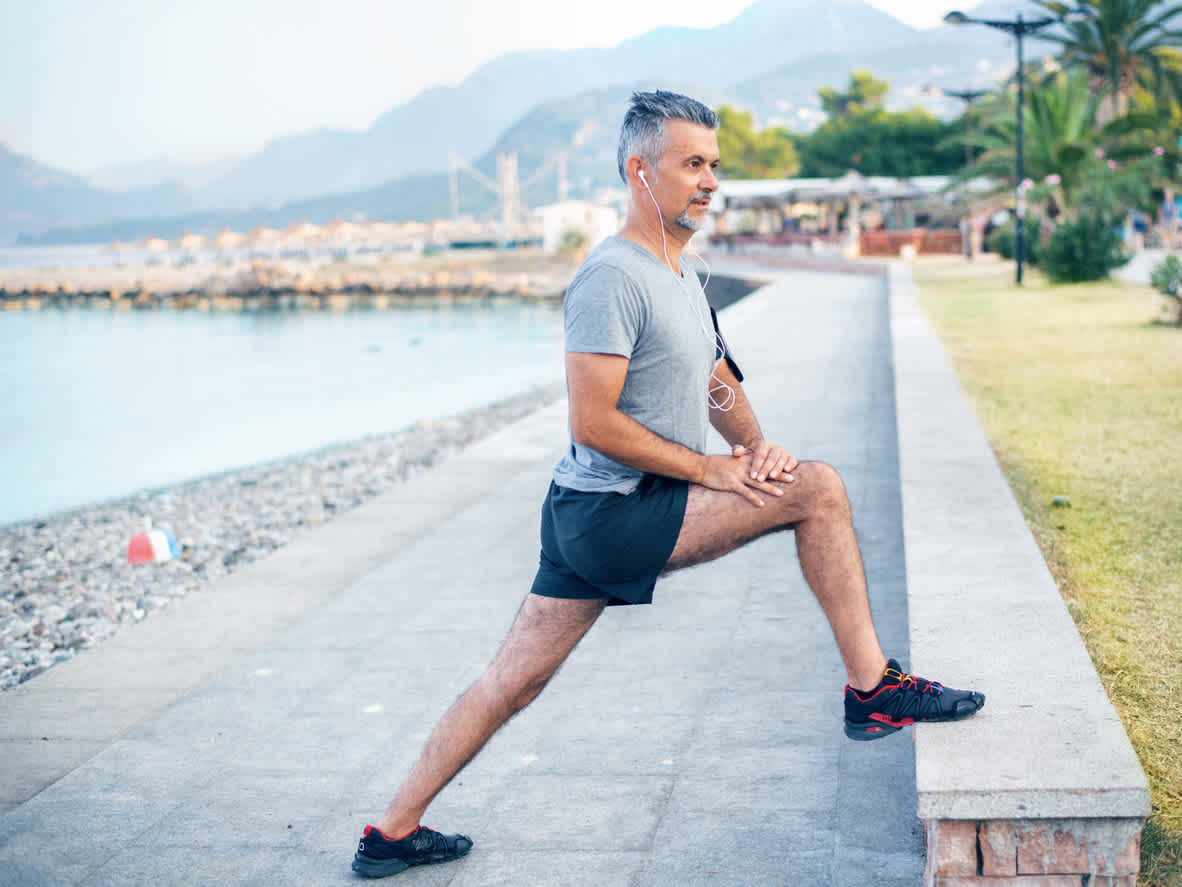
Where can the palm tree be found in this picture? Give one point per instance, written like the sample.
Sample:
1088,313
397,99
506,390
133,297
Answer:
1122,44
1063,137
1059,119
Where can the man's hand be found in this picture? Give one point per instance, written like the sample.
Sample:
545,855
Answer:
768,461
734,474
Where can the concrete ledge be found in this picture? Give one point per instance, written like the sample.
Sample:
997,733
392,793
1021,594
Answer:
985,612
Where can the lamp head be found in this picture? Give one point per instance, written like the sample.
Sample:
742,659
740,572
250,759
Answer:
956,17
1078,14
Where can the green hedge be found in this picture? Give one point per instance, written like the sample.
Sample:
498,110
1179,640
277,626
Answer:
1086,248
1001,241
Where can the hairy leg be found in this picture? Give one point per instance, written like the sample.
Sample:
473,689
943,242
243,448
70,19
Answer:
544,633
816,507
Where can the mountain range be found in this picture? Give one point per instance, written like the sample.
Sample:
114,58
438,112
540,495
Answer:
771,60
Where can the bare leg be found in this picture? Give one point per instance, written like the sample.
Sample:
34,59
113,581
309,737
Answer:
542,636
816,507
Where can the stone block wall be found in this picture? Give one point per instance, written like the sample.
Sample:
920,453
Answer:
1033,853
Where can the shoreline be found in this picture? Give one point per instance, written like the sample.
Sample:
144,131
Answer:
66,585
64,581
246,283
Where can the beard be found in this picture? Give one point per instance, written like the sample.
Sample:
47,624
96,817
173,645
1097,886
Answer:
690,224
685,220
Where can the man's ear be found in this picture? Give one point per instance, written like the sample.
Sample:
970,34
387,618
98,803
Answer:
634,167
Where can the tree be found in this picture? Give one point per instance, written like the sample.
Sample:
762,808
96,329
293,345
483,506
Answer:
864,93
1064,148
750,154
1120,44
881,143
1083,177
860,135
1158,101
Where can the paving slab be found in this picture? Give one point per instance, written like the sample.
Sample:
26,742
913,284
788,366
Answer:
696,741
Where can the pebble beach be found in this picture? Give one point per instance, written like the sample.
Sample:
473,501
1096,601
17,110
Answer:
66,584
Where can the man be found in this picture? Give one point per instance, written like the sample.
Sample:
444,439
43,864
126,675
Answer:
1168,219
636,496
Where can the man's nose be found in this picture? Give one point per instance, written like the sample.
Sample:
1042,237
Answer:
710,181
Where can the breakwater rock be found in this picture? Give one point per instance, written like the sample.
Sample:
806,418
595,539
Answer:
64,581
277,285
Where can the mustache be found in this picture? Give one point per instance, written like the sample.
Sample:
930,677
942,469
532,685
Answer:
701,195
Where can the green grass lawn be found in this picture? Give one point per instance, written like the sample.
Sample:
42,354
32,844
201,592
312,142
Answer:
1079,390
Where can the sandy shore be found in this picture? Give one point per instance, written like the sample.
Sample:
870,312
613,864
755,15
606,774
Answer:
66,584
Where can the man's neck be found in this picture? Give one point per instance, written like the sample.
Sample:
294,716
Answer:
648,236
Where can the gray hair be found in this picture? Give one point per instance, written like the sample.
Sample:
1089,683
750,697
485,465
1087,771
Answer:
643,132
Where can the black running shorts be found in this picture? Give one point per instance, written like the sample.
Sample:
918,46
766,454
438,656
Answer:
609,545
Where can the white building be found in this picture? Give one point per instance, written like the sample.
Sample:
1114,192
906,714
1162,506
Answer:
593,221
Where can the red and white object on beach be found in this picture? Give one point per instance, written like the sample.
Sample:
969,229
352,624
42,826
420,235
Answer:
153,545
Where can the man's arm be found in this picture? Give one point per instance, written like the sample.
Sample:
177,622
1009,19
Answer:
594,383
739,427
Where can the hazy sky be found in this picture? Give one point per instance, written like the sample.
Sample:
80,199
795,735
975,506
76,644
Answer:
88,83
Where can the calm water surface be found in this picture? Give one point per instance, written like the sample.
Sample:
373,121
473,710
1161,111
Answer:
96,404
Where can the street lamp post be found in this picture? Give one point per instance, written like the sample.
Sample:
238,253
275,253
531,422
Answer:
968,96
1019,28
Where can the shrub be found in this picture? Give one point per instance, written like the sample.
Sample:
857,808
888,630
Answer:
573,240
1001,241
1085,248
1167,280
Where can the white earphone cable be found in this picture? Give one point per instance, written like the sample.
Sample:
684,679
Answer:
717,386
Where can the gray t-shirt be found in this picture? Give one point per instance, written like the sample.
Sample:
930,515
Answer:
626,301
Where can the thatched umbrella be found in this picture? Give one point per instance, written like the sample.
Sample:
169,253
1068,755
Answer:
850,189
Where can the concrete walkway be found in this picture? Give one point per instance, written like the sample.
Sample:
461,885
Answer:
248,733
1141,265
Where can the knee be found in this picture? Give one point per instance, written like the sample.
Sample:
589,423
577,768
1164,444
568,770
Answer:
823,487
526,692
513,692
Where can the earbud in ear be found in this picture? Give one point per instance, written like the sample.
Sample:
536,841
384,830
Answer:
641,174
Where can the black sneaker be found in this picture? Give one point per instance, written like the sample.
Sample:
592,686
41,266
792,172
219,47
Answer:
901,699
377,856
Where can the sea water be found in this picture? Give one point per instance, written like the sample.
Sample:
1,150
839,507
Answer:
99,404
